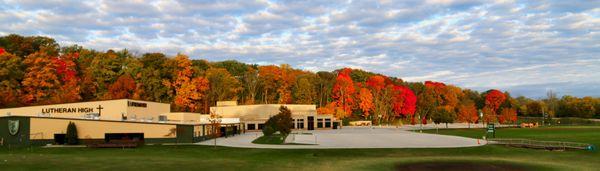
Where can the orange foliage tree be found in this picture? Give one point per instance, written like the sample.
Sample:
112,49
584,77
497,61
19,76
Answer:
365,101
191,94
269,76
40,81
508,115
489,116
467,113
288,79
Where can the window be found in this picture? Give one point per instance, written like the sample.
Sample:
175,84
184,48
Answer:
319,123
162,118
260,126
300,124
327,123
251,126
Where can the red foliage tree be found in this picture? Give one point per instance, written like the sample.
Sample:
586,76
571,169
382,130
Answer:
404,102
123,88
376,82
493,100
2,51
65,67
343,91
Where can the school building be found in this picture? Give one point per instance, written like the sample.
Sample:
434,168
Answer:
304,116
148,122
103,121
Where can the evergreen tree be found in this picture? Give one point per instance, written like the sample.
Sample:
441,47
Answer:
71,137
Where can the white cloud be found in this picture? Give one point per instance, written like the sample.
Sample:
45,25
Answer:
502,44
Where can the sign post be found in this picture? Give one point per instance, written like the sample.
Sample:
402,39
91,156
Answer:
491,128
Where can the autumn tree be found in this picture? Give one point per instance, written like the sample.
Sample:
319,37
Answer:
269,76
11,72
223,86
288,79
508,115
123,88
156,68
426,103
250,82
404,102
105,70
40,81
467,112
343,91
24,46
365,99
489,116
535,108
493,100
382,96
66,70
190,92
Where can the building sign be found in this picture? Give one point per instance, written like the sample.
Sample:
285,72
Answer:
13,127
68,110
72,110
136,104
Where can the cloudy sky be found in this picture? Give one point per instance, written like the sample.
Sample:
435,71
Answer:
525,47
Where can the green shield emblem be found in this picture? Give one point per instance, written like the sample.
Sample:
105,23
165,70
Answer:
13,127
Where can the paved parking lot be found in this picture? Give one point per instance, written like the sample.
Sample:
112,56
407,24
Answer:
353,138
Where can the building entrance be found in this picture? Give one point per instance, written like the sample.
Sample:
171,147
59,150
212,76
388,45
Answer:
311,123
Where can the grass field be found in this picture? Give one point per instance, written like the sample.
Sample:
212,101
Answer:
223,158
582,134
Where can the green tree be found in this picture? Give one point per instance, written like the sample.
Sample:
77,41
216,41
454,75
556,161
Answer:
72,137
324,83
250,83
281,122
25,46
304,91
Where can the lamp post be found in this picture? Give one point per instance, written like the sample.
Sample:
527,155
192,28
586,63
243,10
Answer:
420,123
481,118
215,122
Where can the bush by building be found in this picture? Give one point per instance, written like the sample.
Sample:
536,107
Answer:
71,137
282,123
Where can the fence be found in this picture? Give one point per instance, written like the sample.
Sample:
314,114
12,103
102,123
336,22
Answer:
548,145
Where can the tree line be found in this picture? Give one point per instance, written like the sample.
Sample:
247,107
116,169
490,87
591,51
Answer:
35,70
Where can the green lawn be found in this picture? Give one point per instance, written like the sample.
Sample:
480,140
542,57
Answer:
582,134
272,139
224,158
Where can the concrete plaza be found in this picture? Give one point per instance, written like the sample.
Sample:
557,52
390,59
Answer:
352,137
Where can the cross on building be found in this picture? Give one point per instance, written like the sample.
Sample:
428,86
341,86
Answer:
100,110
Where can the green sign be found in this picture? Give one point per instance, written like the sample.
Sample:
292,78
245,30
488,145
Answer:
491,128
13,127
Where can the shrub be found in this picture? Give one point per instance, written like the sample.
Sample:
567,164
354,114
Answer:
281,122
71,137
268,131
285,122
